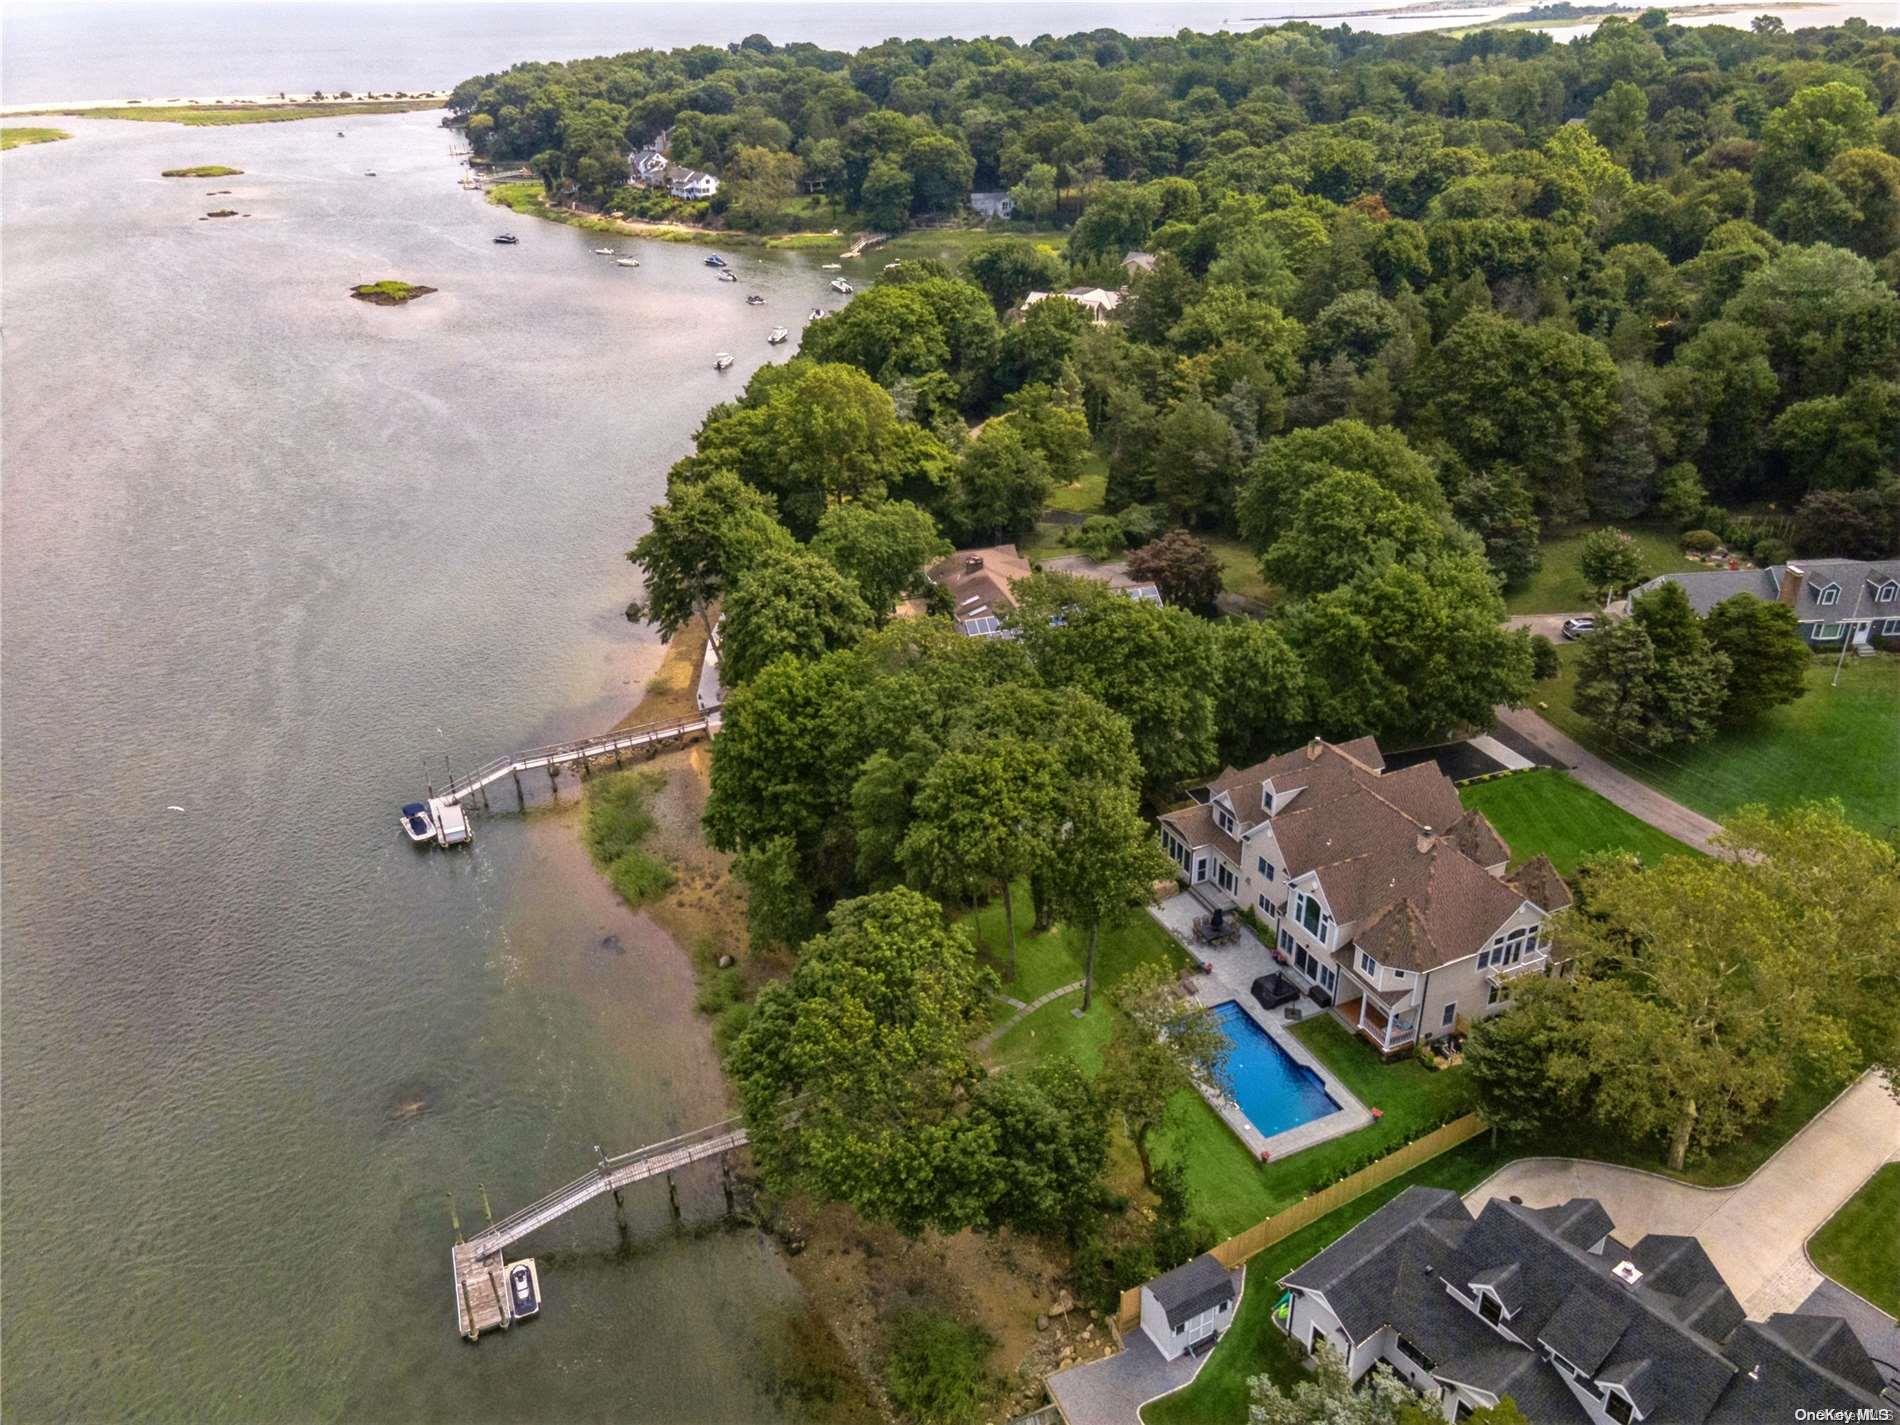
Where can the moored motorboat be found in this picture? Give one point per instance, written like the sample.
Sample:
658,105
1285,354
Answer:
755,300
507,239
778,335
722,361
524,1289
830,266
838,284
625,262
603,252
715,260
816,313
416,823
728,277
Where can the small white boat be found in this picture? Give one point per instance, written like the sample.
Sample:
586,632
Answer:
451,823
524,1289
603,252
778,335
831,267
625,262
816,313
722,361
838,284
416,822
728,276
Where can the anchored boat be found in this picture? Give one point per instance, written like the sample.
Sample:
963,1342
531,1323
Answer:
838,284
625,262
722,361
715,260
778,335
524,1289
507,239
755,300
416,823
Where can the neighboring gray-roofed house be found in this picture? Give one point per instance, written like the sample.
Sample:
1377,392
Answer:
1192,1304
1856,600
993,205
1545,1306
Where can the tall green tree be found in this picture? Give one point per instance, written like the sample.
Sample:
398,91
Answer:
789,602
984,817
1103,862
707,534
1260,707
881,548
1610,562
854,1073
1767,657
1160,1049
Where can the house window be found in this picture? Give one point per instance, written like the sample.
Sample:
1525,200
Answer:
1416,1356
1827,596
1368,965
1266,868
1287,945
1489,1307
1226,821
1464,1411
1885,593
1308,913
1451,1013
1497,994
1266,906
1829,632
1618,1409
1890,628
1224,877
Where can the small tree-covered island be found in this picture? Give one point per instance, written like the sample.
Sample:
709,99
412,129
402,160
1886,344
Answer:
389,292
1310,719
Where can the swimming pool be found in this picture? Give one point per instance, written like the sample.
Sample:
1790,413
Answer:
1273,1089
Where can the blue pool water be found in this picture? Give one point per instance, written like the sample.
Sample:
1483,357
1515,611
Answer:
1274,1090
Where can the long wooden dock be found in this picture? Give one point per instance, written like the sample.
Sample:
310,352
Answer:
477,1266
586,751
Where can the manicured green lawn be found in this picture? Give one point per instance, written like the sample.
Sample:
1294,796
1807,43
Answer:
1045,962
1832,742
1084,494
1254,1345
1859,1246
1558,588
1240,568
1544,810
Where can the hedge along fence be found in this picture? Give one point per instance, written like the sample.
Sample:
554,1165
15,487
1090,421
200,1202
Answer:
1304,1213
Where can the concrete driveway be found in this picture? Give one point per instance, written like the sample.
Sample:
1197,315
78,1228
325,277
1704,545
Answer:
1550,625
1755,1232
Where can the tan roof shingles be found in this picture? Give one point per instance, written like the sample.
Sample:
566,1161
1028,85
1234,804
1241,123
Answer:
1539,883
1196,825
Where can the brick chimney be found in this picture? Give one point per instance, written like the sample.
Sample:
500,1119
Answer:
1788,587
1425,840
1313,749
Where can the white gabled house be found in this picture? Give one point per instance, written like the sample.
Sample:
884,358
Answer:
1385,898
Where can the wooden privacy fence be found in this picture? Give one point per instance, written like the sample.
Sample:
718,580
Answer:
1304,1213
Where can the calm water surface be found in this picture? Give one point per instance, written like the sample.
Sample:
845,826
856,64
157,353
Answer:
59,50
272,556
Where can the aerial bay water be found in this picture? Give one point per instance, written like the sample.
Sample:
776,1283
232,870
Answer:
58,51
270,559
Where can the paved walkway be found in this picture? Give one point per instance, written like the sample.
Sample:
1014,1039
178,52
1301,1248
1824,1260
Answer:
1756,1232
1112,1391
1643,802
1023,1011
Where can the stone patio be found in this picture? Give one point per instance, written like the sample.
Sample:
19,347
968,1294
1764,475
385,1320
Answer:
1235,968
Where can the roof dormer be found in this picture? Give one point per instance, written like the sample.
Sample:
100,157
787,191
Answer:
1827,594
1887,592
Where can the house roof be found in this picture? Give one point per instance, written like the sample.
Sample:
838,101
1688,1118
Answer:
1192,1288
1396,854
1144,261
1538,882
1674,1340
1707,588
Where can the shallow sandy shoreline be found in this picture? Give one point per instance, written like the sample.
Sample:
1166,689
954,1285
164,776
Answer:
78,106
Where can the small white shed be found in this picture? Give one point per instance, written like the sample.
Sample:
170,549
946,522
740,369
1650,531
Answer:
1188,1307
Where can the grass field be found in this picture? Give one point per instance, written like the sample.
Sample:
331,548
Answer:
1544,810
1859,1246
1832,742
1558,588
220,115
21,136
1254,1345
